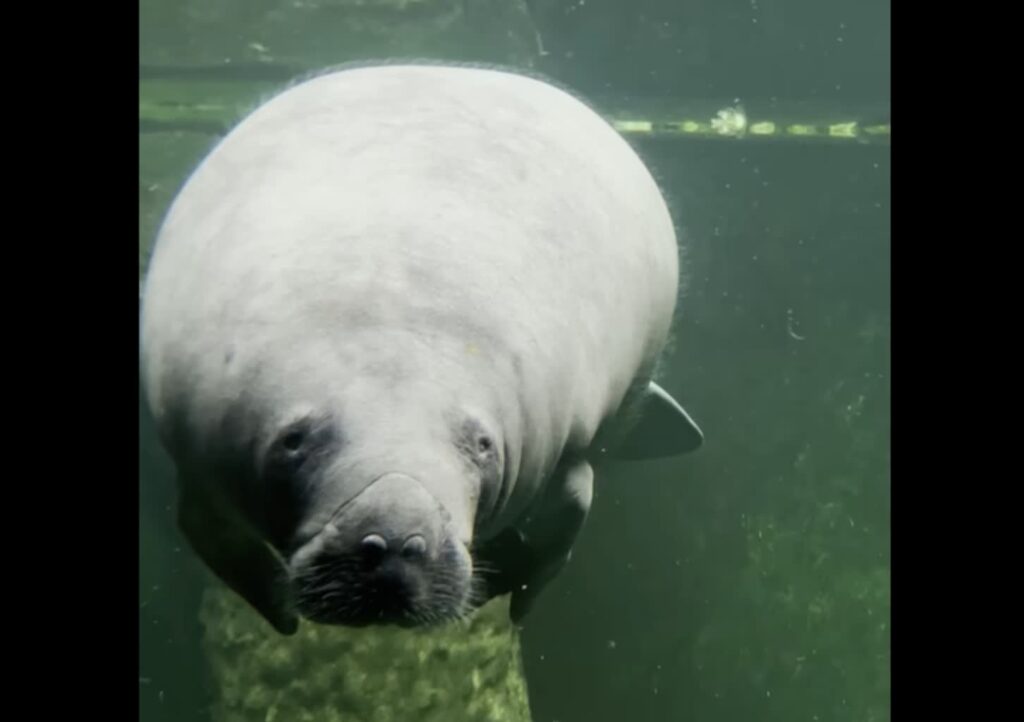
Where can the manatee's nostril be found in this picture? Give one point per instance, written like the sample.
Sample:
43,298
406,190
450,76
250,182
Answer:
374,544
414,547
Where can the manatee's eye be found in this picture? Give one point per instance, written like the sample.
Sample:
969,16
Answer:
477,443
302,440
292,441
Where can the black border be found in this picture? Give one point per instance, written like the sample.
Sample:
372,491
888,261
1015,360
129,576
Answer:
72,149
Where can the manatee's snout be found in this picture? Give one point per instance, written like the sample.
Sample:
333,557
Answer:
386,557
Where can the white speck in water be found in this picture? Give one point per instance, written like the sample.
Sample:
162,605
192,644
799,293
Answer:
160,696
611,644
542,658
790,326
728,185
768,693
523,587
839,39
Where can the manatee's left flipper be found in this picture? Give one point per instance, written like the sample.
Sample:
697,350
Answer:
551,531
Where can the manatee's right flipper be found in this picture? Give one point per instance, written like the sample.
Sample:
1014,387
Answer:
663,428
523,560
239,558
552,531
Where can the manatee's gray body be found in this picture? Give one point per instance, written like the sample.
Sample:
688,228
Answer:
383,323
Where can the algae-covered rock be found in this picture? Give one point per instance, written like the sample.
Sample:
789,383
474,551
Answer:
466,672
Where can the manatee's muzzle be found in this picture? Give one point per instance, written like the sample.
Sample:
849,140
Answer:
386,557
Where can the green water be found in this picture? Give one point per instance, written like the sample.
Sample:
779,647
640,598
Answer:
749,581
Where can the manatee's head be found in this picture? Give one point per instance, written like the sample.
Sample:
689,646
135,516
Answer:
383,519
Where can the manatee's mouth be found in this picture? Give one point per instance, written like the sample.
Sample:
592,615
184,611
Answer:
359,590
